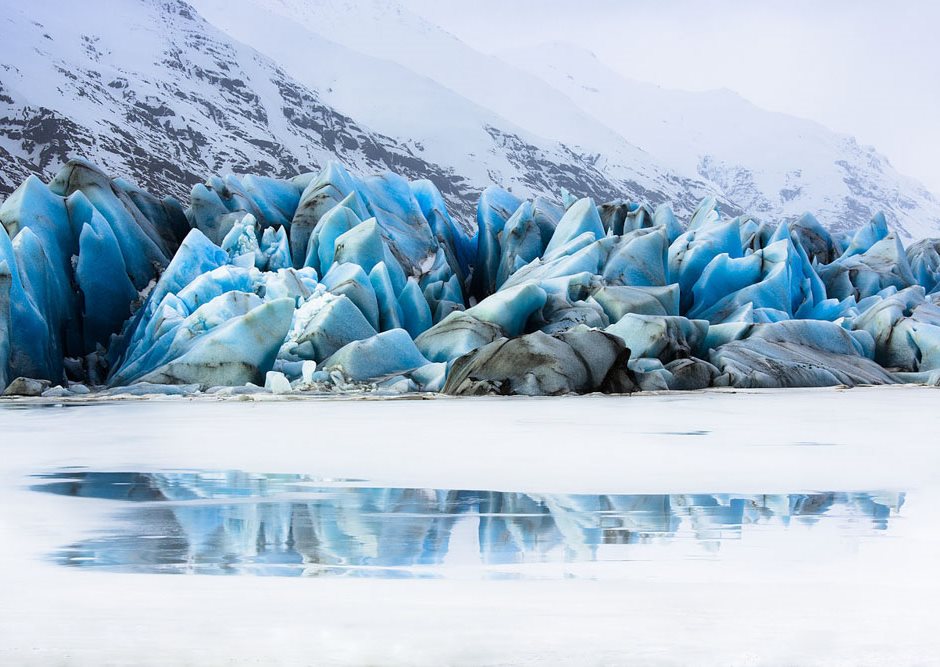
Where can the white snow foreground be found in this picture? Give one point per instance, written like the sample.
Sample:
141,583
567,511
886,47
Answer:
809,595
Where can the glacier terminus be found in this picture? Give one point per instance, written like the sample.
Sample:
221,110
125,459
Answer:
333,281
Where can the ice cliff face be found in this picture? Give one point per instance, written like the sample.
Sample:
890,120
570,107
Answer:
332,280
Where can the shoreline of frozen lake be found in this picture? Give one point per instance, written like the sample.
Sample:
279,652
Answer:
255,393
825,600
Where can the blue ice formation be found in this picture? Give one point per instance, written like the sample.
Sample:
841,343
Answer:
77,251
337,281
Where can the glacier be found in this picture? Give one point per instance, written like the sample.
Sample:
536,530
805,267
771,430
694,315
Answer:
337,281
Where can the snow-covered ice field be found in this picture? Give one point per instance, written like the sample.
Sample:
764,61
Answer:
843,588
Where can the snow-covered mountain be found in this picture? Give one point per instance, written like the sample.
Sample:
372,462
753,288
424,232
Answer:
382,64
158,94
148,89
772,165
167,92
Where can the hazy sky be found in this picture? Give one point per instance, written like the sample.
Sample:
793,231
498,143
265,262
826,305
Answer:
871,69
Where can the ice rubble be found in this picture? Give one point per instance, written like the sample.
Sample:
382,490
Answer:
332,280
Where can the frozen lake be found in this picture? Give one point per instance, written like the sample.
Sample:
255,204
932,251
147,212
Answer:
794,527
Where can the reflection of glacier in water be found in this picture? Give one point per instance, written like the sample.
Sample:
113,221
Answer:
239,523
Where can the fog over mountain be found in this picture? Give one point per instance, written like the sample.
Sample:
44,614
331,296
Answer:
862,67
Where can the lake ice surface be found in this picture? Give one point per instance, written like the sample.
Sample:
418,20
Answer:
767,527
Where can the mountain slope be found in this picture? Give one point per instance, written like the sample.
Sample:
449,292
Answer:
386,30
156,93
771,164
381,64
149,90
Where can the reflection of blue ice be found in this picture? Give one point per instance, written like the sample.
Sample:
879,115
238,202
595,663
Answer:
295,524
